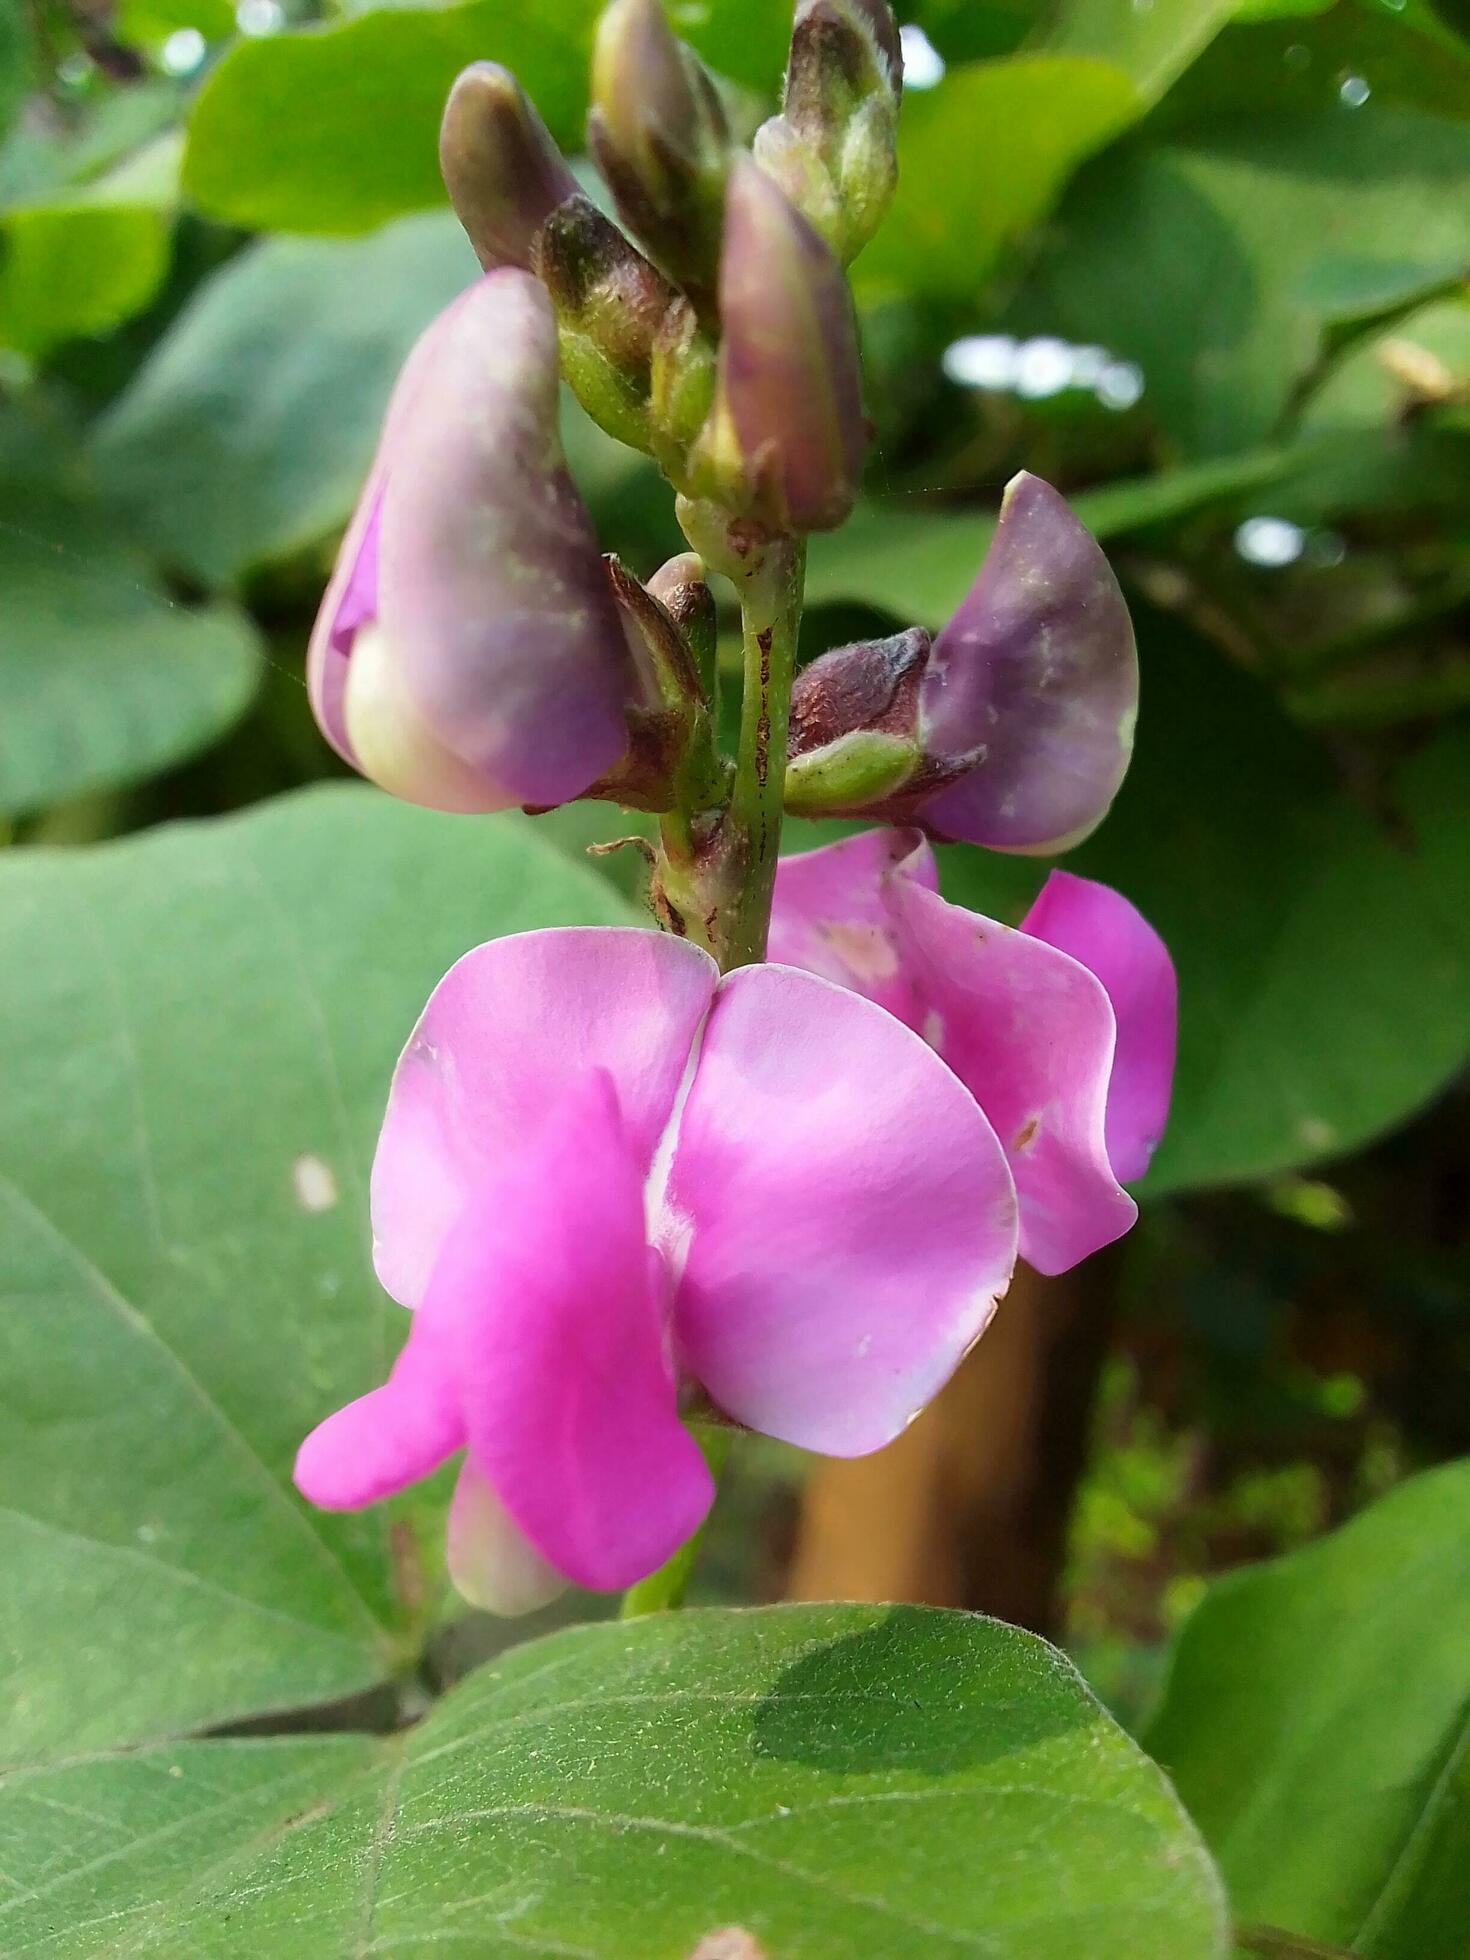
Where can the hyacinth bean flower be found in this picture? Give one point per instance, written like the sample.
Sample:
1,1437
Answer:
468,654
1014,729
1063,1029
611,1184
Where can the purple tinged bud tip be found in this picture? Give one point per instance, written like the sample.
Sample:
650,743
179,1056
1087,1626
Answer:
1035,679
789,382
504,174
468,653
658,132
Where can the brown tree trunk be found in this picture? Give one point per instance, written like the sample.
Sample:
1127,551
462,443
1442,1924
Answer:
970,1506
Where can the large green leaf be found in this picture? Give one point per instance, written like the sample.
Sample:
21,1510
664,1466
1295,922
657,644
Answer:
836,1780
1317,1721
982,158
1153,44
1324,960
353,109
1288,226
199,1029
918,565
108,680
80,258
247,435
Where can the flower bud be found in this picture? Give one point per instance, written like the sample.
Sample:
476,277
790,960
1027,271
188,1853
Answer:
788,411
468,654
1013,729
853,741
504,174
610,305
667,714
833,149
681,588
658,132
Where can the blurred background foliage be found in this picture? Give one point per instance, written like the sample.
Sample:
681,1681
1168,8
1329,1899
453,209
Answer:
1200,262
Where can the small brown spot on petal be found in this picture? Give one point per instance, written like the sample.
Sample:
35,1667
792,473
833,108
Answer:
1027,1133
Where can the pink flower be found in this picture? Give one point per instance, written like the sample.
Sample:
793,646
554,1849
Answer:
1062,1029
468,654
609,1178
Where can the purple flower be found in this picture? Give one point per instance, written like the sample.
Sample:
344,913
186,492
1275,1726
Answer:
1014,729
468,654
1062,1029
610,1181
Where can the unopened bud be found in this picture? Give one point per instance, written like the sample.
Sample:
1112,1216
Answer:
683,378
834,147
504,174
468,653
610,305
788,410
681,588
854,712
658,132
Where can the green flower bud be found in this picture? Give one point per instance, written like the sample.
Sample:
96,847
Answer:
854,740
504,174
834,147
610,306
658,132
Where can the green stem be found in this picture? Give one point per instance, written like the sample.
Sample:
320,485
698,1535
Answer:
665,1588
770,611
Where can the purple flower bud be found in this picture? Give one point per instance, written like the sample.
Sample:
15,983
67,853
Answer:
657,129
833,148
468,654
1035,680
789,402
1013,730
504,174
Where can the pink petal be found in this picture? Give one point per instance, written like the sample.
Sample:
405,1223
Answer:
557,1309
1030,1033
830,916
839,1215
389,1438
492,590
507,1031
1099,927
491,1561
1037,671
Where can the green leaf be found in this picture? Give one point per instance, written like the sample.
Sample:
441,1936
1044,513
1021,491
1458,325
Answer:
1289,226
982,159
199,1029
918,565
109,680
353,109
248,433
837,1780
1324,963
1153,45
1315,1720
82,258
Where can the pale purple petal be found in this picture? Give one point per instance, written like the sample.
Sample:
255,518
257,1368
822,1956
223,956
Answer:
560,1310
1030,1033
830,916
492,591
389,1438
1037,673
507,1031
491,1561
1099,927
839,1214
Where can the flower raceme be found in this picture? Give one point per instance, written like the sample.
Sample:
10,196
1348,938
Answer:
468,653
1063,1029
613,1185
